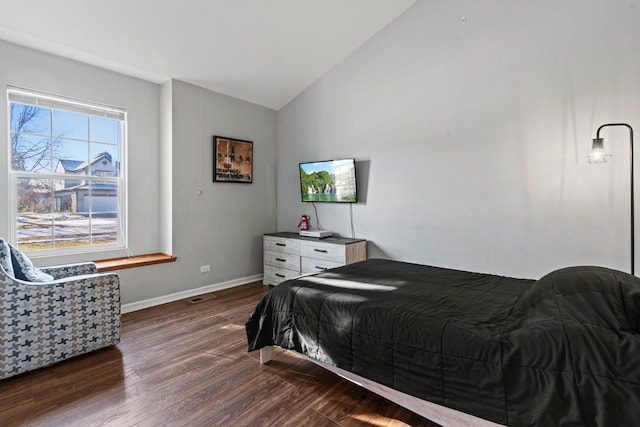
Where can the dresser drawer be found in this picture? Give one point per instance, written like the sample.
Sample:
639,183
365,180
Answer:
314,265
274,275
282,260
281,244
323,251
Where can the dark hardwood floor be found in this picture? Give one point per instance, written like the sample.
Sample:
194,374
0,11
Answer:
186,364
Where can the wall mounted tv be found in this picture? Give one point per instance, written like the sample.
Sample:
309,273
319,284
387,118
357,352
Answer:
329,181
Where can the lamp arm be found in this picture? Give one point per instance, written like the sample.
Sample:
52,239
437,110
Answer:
615,124
633,233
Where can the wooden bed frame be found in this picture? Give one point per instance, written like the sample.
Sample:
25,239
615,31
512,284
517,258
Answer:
442,415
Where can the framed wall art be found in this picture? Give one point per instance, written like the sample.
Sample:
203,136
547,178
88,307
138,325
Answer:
232,160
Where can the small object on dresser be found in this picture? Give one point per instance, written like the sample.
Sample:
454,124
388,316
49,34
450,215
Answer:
320,234
304,223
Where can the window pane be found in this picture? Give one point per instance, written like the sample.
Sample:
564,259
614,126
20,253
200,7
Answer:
105,130
70,125
71,157
104,199
30,119
66,194
28,244
34,195
104,228
71,230
34,219
30,153
104,160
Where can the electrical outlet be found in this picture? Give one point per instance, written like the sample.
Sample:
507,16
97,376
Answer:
205,268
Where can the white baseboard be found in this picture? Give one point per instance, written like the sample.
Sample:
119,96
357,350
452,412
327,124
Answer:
152,302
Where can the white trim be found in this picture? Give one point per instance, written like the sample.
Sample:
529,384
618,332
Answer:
59,102
152,302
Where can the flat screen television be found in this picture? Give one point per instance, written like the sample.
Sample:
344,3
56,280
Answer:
331,181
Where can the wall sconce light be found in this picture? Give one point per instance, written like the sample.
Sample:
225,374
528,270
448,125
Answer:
598,155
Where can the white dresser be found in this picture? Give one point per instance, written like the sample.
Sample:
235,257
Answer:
287,255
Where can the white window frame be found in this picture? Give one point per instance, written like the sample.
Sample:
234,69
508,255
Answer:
61,103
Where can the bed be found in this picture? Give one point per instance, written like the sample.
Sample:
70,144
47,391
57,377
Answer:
562,350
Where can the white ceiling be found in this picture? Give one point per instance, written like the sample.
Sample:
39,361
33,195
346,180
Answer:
262,51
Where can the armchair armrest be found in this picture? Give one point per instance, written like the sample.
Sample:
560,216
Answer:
47,322
70,270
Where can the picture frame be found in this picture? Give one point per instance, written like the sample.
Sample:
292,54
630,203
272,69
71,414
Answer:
232,160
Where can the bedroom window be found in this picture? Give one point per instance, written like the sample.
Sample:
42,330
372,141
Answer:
66,174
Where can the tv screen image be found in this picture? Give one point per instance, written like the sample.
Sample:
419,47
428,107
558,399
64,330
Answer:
329,181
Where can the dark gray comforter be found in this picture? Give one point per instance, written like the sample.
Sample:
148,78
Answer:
563,350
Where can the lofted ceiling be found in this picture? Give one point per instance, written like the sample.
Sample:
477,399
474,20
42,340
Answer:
262,51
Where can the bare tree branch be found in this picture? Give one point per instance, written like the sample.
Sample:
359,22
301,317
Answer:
28,156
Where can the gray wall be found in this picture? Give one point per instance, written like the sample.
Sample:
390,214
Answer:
223,227
32,69
170,159
216,224
470,122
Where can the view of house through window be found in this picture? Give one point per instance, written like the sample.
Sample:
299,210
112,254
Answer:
66,173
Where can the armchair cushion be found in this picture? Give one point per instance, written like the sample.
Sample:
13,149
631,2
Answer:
23,268
5,257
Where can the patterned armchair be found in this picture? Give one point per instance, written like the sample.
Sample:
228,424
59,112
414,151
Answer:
47,322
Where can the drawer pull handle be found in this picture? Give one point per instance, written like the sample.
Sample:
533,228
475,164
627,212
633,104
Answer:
281,244
280,275
281,260
324,251
321,268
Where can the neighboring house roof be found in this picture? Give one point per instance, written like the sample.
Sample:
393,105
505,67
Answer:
78,165
98,157
70,165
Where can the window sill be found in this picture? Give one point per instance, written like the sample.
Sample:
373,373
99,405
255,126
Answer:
134,261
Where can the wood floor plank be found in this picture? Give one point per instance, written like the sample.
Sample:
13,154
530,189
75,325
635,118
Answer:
186,363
